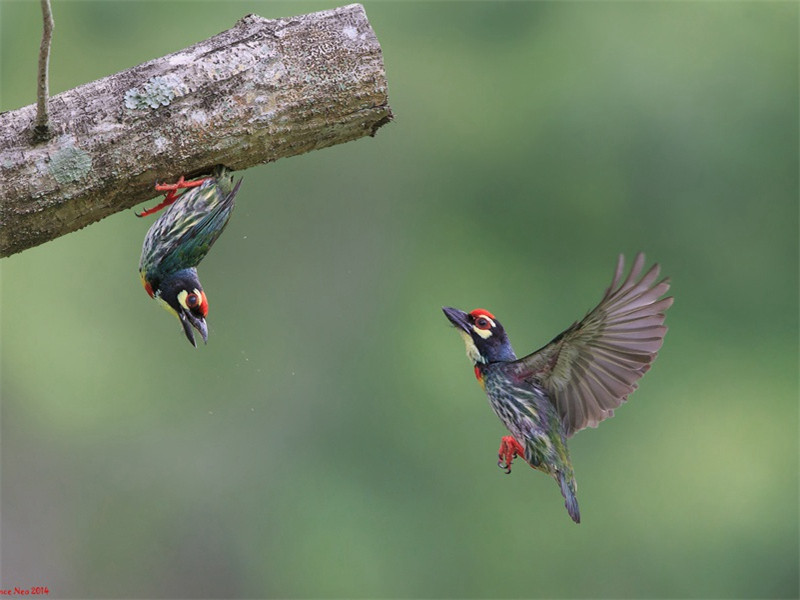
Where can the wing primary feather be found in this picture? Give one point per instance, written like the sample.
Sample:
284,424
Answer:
638,263
593,366
617,276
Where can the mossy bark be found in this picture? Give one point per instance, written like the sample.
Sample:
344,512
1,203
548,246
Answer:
260,91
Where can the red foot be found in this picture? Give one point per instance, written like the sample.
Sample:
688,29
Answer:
509,450
171,196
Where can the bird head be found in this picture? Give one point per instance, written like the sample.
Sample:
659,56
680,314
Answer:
483,335
182,295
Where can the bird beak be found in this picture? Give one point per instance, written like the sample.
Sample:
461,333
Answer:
188,320
458,318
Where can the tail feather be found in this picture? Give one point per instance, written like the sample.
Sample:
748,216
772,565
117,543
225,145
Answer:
567,485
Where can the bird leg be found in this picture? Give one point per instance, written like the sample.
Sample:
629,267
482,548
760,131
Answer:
171,189
509,450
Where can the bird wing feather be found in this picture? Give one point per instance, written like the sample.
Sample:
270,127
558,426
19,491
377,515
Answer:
184,234
591,368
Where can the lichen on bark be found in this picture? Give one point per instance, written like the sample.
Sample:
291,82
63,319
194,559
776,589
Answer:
259,91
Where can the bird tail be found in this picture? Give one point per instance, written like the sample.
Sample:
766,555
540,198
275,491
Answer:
567,484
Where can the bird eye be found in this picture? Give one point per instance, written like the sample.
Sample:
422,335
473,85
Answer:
192,301
482,323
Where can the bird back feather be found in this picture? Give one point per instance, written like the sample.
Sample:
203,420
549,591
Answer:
183,235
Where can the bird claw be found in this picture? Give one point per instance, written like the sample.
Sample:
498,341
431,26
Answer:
509,450
171,189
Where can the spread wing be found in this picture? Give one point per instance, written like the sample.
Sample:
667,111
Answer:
592,367
184,234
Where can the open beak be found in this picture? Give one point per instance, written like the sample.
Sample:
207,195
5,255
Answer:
188,320
458,318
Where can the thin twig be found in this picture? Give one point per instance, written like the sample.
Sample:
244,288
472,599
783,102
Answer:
41,129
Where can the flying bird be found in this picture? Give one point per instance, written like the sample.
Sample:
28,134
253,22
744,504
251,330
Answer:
576,380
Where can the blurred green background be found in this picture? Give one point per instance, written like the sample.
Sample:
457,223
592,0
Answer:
330,441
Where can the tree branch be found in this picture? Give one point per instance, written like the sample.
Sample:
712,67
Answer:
41,128
260,91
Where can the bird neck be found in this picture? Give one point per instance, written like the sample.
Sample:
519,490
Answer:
501,353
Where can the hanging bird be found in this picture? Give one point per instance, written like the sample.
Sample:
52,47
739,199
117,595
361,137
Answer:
178,241
575,381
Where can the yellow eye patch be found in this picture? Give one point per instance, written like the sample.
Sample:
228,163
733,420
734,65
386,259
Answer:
183,294
182,298
484,333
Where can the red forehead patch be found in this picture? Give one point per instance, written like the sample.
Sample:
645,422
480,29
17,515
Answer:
203,304
481,312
